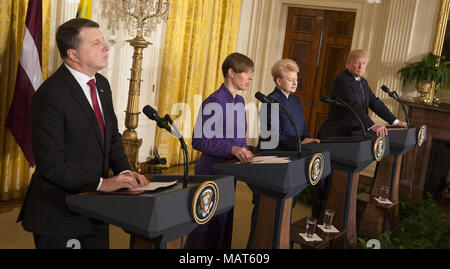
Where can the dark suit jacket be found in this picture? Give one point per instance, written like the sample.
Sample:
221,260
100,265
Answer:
340,121
70,153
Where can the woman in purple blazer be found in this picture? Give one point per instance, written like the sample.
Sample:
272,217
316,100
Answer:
219,134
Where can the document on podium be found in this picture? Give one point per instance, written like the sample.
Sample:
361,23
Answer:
269,159
154,186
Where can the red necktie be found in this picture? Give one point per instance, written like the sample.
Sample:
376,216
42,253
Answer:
96,107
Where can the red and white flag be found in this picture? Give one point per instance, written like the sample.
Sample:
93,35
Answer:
28,80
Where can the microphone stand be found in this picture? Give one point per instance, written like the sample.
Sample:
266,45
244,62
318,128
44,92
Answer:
354,115
403,106
178,135
284,110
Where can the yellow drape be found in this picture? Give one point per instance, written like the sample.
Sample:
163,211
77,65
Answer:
199,35
14,169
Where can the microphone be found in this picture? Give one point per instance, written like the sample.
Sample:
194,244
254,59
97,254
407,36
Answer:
386,90
326,99
262,98
395,96
152,114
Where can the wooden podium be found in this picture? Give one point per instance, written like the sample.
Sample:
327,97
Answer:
274,185
349,155
372,221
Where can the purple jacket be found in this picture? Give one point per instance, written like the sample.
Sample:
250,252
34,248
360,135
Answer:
220,125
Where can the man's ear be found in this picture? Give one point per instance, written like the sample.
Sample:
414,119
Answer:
72,55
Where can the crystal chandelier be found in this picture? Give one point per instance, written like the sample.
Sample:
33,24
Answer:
138,17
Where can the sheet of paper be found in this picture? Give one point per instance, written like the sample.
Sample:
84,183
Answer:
155,185
268,159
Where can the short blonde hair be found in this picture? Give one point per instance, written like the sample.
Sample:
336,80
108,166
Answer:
282,66
356,54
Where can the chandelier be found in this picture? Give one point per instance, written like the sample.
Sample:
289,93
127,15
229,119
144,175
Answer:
138,17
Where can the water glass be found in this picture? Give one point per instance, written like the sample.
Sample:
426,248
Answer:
384,193
328,218
310,227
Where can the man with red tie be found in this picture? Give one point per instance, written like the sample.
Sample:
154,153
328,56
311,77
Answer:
75,141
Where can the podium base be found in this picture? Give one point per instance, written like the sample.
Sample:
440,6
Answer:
139,242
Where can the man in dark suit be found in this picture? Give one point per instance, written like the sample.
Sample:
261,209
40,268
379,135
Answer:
354,90
75,142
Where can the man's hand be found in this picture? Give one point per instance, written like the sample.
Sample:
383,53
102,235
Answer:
244,155
402,124
141,179
310,140
380,130
127,180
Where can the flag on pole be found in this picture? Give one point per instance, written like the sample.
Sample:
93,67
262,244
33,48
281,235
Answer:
28,80
85,9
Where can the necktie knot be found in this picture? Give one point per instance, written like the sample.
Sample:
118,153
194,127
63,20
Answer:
91,83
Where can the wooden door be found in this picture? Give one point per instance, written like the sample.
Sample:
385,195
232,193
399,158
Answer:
319,41
302,44
336,45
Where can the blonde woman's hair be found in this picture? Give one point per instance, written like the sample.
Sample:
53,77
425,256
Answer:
282,66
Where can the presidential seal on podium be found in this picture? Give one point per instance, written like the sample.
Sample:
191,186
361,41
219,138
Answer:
205,201
378,148
315,168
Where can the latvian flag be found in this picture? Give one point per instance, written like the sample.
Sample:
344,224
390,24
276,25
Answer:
29,78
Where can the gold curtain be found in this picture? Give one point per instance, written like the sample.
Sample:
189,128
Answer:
199,35
14,168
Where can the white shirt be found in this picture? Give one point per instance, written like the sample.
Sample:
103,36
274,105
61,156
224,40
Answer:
396,121
83,79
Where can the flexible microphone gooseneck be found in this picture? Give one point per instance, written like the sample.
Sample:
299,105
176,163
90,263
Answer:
340,102
395,96
163,123
264,99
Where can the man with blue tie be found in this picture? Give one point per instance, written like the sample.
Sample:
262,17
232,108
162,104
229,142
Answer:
353,89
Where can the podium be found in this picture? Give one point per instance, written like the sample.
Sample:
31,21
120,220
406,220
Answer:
349,155
387,172
159,216
274,184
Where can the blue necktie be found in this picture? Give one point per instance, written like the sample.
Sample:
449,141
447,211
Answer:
362,90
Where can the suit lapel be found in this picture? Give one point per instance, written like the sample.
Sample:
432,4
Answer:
80,97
